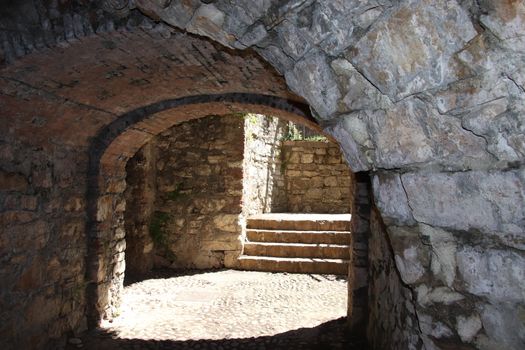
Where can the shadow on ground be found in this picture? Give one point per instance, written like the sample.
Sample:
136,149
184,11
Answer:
130,279
329,335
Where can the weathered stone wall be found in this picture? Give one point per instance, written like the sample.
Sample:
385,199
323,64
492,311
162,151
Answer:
317,177
360,199
431,93
392,320
42,243
264,185
199,190
460,252
140,194
62,112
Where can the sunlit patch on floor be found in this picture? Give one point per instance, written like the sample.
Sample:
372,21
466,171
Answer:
227,304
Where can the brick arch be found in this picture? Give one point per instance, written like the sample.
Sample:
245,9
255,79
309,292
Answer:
116,144
67,110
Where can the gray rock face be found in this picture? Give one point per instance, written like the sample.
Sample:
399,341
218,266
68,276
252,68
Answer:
329,25
495,274
178,13
392,200
506,20
468,327
208,20
352,151
439,295
503,325
312,78
359,93
470,115
486,201
412,49
443,257
410,255
412,133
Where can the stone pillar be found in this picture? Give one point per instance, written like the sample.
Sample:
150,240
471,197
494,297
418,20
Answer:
358,274
140,200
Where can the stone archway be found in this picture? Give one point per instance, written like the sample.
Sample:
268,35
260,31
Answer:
88,114
426,95
109,154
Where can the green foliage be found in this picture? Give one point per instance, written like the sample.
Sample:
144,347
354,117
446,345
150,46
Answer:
315,138
239,115
156,227
294,134
157,231
251,118
176,194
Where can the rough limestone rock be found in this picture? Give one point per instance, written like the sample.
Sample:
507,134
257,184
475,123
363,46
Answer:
492,202
468,327
412,50
313,78
495,274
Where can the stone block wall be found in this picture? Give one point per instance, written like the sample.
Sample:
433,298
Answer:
42,244
318,179
392,321
360,200
194,173
187,188
448,135
264,183
140,196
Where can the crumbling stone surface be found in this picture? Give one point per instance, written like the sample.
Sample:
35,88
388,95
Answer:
183,203
384,46
392,316
42,243
465,266
383,43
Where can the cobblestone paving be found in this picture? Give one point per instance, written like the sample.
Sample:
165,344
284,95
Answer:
230,309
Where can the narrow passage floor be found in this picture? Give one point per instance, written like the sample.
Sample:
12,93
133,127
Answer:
229,309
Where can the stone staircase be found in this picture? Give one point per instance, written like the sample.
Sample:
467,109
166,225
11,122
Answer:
298,243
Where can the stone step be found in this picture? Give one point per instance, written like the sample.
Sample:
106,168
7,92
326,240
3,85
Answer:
293,265
291,236
297,250
302,222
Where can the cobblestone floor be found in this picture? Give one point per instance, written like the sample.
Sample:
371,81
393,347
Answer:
229,309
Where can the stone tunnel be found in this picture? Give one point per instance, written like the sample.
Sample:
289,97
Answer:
426,99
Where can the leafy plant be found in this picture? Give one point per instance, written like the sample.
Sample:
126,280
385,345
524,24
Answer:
156,227
315,138
294,134
251,118
175,194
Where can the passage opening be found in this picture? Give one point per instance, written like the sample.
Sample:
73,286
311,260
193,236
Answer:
195,194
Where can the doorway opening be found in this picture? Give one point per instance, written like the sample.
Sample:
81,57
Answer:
204,192
200,195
